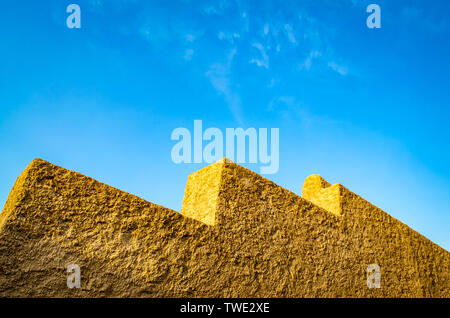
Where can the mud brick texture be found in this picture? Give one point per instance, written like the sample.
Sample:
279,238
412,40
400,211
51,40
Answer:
238,235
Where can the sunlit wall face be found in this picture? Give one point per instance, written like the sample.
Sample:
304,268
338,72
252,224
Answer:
362,100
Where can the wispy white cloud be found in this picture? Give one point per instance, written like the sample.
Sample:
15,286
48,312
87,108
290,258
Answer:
272,83
228,36
188,54
342,70
289,108
290,33
219,76
263,61
307,63
266,29
215,8
190,37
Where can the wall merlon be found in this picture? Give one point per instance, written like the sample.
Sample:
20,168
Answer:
201,193
320,192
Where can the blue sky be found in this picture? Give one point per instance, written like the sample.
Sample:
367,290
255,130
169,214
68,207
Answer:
367,108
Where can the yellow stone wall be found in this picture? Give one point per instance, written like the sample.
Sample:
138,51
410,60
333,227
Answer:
238,235
202,193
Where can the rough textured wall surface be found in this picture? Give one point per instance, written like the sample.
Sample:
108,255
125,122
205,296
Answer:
239,235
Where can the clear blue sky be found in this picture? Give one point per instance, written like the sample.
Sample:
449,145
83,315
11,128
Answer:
365,108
